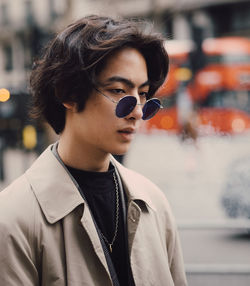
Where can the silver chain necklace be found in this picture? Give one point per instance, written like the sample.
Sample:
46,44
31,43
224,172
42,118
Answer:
116,216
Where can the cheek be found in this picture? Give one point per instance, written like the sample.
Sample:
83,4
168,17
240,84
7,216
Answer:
98,118
106,113
102,121
101,106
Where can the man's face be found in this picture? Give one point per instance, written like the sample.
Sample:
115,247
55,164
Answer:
97,128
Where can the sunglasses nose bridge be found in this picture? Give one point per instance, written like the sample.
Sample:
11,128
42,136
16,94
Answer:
136,112
140,101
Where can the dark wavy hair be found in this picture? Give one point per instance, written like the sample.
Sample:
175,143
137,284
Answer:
69,66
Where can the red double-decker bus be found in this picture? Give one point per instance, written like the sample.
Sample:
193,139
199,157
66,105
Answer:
221,90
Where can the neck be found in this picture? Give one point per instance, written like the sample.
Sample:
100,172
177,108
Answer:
82,157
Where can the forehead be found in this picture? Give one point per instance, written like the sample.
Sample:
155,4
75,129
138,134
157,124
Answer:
126,63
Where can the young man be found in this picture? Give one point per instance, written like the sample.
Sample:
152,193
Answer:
78,217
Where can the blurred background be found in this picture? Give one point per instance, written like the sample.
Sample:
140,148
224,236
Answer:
196,149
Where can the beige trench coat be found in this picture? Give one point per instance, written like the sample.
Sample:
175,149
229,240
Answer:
48,238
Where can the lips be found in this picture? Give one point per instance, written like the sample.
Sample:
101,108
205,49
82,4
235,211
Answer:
127,130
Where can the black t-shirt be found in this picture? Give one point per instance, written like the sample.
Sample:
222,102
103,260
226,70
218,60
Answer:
99,191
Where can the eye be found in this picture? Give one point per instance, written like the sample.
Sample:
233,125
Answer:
143,95
117,91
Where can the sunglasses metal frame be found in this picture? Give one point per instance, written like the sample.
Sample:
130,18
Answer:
141,104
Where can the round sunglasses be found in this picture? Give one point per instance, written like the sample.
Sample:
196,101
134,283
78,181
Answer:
127,103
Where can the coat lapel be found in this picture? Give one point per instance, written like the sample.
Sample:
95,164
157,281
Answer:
60,199
81,241
55,192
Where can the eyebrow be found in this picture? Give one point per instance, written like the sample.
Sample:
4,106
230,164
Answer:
126,81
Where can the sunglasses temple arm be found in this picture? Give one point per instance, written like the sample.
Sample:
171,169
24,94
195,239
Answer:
106,96
109,98
160,106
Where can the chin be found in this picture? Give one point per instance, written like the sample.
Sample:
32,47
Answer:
120,151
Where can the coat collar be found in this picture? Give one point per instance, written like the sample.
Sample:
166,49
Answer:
137,187
53,187
58,195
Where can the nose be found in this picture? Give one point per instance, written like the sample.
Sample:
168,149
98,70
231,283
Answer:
136,113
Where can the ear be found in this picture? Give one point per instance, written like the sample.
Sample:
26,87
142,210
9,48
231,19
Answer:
71,106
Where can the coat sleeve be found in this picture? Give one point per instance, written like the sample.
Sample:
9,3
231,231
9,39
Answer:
177,264
17,258
16,264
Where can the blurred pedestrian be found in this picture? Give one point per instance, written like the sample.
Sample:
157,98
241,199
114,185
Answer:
77,216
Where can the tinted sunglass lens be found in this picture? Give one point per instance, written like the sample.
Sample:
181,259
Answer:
125,106
150,108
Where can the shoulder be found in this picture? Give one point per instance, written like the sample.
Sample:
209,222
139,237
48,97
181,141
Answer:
145,184
18,206
17,193
140,187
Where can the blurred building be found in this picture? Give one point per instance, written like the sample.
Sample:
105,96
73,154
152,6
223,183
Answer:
178,19
26,25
